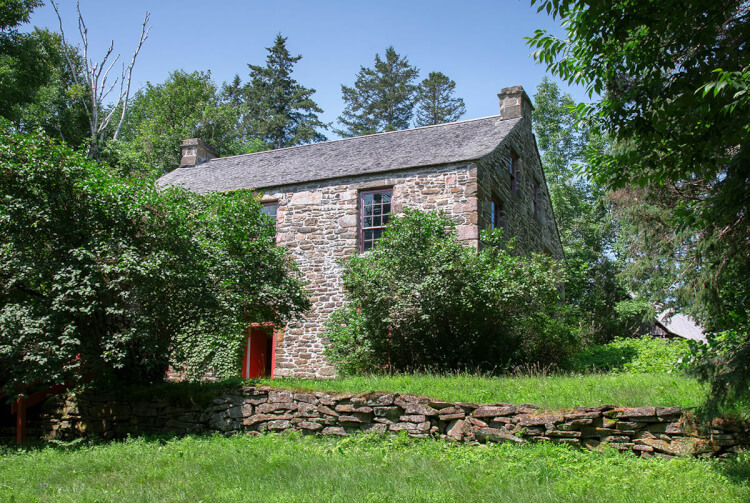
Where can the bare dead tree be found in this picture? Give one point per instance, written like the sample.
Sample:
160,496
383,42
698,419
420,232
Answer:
97,85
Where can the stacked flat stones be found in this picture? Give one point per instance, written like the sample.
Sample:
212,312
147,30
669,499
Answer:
647,431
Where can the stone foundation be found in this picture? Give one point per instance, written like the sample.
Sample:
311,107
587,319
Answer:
647,431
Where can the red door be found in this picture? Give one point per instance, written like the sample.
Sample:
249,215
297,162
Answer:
258,360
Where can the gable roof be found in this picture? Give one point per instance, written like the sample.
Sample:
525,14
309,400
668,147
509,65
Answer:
409,148
681,325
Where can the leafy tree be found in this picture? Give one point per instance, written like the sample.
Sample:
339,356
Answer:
582,216
55,106
14,13
22,66
673,78
277,110
422,300
436,103
102,277
36,88
186,105
382,98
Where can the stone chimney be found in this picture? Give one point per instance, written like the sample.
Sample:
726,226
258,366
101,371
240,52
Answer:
514,103
196,151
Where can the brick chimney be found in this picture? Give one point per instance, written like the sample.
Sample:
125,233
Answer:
514,103
196,151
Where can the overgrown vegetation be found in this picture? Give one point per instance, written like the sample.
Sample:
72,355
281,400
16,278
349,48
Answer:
422,300
104,277
674,82
594,286
634,355
361,468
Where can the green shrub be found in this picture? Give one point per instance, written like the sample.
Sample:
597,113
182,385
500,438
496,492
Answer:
422,300
633,355
105,276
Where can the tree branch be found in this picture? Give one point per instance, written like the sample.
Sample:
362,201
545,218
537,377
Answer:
97,76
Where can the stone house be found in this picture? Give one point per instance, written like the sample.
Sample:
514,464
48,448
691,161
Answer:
333,199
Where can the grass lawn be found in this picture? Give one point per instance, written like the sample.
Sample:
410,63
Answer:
361,468
551,392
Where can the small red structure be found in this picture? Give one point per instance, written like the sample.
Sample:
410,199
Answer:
260,351
23,402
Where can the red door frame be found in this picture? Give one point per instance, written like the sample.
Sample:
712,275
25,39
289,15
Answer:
254,362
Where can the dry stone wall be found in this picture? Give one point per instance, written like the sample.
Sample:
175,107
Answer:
646,431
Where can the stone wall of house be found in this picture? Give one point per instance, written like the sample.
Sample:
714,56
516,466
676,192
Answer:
318,223
647,431
494,182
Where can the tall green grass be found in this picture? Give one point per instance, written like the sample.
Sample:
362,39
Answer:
362,468
547,391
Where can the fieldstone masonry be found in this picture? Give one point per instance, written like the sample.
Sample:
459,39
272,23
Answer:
318,223
533,234
458,168
646,431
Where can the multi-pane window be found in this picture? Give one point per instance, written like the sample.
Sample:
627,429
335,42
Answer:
513,167
270,210
497,215
374,212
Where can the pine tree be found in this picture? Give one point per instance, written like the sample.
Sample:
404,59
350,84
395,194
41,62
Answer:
436,103
278,110
382,98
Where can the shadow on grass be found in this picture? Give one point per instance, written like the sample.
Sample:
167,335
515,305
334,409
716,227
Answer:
736,469
37,444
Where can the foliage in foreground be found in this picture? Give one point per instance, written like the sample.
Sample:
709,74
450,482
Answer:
104,277
359,468
422,300
674,80
633,355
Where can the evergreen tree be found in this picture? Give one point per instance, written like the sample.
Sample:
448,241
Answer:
436,103
231,93
278,110
382,98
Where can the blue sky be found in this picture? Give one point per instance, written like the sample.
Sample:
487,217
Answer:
479,44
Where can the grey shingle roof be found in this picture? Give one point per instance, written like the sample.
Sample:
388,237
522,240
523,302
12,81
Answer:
410,148
681,325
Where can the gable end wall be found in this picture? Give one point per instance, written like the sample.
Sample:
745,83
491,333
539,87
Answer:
533,234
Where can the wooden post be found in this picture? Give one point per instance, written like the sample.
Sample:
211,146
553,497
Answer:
20,418
273,354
